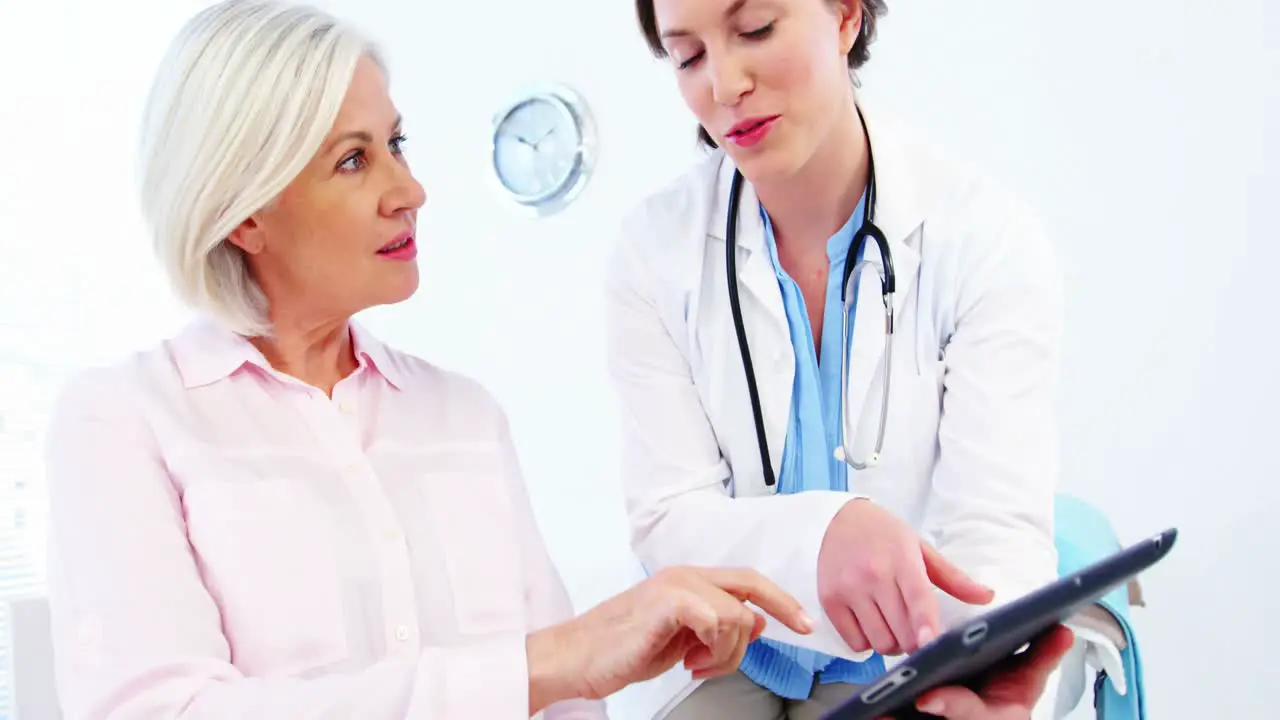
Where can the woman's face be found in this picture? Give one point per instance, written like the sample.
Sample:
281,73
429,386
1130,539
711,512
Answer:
767,79
341,237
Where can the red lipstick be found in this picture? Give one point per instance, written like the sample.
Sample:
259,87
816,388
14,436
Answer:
402,247
751,131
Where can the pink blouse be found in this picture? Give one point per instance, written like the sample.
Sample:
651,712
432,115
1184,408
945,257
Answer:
229,542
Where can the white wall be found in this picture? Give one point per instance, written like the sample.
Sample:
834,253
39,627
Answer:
1144,131
1140,130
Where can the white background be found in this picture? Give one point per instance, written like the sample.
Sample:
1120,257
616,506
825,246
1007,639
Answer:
1143,132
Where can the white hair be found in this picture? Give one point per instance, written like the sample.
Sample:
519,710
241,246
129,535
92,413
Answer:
242,101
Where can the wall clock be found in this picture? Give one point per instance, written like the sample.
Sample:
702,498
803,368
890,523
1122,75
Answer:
543,148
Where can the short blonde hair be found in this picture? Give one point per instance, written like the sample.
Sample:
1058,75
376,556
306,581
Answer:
242,101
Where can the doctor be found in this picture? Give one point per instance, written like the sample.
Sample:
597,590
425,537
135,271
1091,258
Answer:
891,460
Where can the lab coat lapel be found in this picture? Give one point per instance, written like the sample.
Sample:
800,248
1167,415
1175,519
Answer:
764,316
756,276
899,213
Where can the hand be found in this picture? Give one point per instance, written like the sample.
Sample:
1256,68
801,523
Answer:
1012,691
876,580
695,615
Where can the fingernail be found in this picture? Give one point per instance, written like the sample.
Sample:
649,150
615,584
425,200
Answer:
806,622
925,636
933,707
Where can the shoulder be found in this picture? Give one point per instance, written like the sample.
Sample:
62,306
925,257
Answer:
95,389
686,191
115,393
663,220
424,376
997,217
454,397
972,219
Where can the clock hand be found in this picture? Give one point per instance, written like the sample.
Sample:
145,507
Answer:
545,135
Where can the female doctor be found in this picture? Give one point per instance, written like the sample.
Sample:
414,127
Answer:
835,352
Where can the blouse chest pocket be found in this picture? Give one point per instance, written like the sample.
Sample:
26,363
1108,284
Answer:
266,547
474,524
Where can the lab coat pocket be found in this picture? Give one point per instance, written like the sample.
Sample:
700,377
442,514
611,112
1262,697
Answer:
922,412
469,502
911,448
267,554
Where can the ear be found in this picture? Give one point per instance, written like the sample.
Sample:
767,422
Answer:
850,12
248,236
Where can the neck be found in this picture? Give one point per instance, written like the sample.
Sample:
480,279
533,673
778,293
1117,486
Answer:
813,204
319,353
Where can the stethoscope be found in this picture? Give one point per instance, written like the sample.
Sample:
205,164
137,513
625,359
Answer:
847,299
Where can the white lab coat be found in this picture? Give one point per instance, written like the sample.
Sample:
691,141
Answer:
971,450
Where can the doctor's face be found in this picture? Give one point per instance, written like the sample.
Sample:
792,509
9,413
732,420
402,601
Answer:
767,79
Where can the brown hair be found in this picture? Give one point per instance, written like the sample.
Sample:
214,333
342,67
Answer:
872,10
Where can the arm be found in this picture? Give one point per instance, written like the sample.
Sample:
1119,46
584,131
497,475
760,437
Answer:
137,635
991,509
546,599
673,470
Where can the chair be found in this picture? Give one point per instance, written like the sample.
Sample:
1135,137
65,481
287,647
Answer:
1105,645
33,693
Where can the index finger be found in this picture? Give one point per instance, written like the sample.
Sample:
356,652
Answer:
751,586
921,602
952,580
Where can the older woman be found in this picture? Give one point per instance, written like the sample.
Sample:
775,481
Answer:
276,515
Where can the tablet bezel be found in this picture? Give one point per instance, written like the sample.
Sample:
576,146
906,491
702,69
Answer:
964,654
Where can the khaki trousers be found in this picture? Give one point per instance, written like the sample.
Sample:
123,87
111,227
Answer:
737,697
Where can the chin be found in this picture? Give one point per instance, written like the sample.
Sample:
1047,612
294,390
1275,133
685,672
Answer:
765,164
779,157
400,287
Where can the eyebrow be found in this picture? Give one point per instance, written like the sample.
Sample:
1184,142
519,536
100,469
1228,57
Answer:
730,12
360,135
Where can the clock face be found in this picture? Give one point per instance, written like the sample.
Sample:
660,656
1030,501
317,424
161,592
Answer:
539,151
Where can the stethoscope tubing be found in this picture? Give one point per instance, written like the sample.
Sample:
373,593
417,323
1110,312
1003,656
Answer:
852,268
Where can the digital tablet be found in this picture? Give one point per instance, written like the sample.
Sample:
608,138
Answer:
964,654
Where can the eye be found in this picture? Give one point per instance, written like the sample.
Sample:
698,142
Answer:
357,159
759,33
352,162
688,63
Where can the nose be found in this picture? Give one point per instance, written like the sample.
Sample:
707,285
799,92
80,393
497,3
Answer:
730,80
404,193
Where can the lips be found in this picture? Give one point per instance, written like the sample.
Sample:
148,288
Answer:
400,242
750,125
752,131
394,246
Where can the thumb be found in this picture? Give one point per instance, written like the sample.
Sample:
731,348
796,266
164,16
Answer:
952,580
1044,655
952,702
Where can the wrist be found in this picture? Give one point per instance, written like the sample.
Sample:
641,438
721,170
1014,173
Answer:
551,672
850,505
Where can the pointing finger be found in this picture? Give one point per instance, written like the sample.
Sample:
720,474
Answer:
751,586
952,580
920,599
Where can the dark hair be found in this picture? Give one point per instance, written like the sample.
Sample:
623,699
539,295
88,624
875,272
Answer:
872,10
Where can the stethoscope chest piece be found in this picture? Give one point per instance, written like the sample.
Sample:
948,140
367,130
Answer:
872,460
